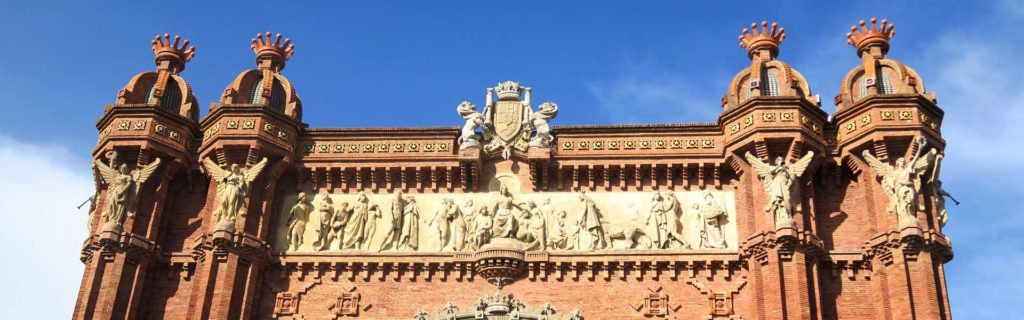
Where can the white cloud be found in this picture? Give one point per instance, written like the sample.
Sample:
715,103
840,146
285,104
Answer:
43,231
644,92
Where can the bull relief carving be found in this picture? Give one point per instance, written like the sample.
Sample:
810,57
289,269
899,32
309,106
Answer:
470,222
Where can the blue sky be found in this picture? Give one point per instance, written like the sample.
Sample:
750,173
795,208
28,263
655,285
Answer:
382,63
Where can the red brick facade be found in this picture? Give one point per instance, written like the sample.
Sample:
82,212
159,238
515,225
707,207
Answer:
845,257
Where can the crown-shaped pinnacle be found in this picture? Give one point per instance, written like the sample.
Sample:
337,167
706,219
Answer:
865,36
752,39
177,51
265,44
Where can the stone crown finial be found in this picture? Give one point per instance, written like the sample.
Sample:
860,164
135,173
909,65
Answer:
864,37
753,40
268,47
508,90
178,52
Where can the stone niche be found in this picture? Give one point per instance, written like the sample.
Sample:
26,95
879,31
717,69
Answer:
623,215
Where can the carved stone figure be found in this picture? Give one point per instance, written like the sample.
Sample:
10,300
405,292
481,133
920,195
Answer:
559,238
539,121
409,239
940,194
503,215
778,184
664,221
325,215
355,227
591,233
536,232
297,218
122,191
442,222
482,231
474,120
460,226
713,216
372,216
338,226
232,190
397,208
902,183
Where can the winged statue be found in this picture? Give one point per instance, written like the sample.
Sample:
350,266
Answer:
123,191
232,187
778,184
902,183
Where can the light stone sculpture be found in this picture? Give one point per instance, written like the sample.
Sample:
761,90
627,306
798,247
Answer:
503,216
712,215
372,216
355,227
409,239
940,194
664,219
397,209
482,231
902,183
560,237
779,184
474,120
591,234
540,120
338,226
325,216
297,218
232,190
536,228
122,190
443,220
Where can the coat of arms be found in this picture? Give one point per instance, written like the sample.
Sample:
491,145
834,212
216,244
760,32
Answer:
508,123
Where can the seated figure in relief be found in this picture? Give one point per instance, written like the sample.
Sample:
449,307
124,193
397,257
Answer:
503,216
482,228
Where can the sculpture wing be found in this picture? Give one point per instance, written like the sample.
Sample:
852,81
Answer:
881,168
146,171
938,165
214,170
254,171
925,161
109,174
762,169
801,165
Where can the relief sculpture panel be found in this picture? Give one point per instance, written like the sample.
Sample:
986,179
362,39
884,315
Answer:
552,221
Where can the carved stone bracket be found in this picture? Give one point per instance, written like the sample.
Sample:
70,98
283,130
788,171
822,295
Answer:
500,266
909,245
783,242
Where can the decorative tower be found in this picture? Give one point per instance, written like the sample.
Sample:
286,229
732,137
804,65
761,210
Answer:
888,136
773,137
249,140
147,140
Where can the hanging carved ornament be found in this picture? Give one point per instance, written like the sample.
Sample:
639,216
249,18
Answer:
495,307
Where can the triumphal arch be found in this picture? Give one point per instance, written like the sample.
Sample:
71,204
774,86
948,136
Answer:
776,210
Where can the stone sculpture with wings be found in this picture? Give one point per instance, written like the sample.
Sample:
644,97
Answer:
123,191
778,184
902,183
232,187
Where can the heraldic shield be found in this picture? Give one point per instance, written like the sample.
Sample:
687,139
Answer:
509,120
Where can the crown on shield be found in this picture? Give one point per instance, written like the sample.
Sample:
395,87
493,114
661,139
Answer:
508,90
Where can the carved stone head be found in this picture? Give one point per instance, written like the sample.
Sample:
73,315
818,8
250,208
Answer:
779,161
302,197
123,169
900,162
236,169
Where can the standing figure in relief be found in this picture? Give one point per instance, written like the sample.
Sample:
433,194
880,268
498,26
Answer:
232,189
410,235
940,194
591,233
297,222
482,230
338,225
778,185
537,228
503,216
539,121
372,216
122,190
474,120
442,222
462,226
711,212
902,183
397,208
324,214
355,229
559,236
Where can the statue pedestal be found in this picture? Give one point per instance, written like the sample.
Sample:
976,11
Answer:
539,153
913,231
469,153
786,232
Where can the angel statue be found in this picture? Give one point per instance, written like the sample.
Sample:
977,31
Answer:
232,190
474,120
539,121
778,184
122,191
902,183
